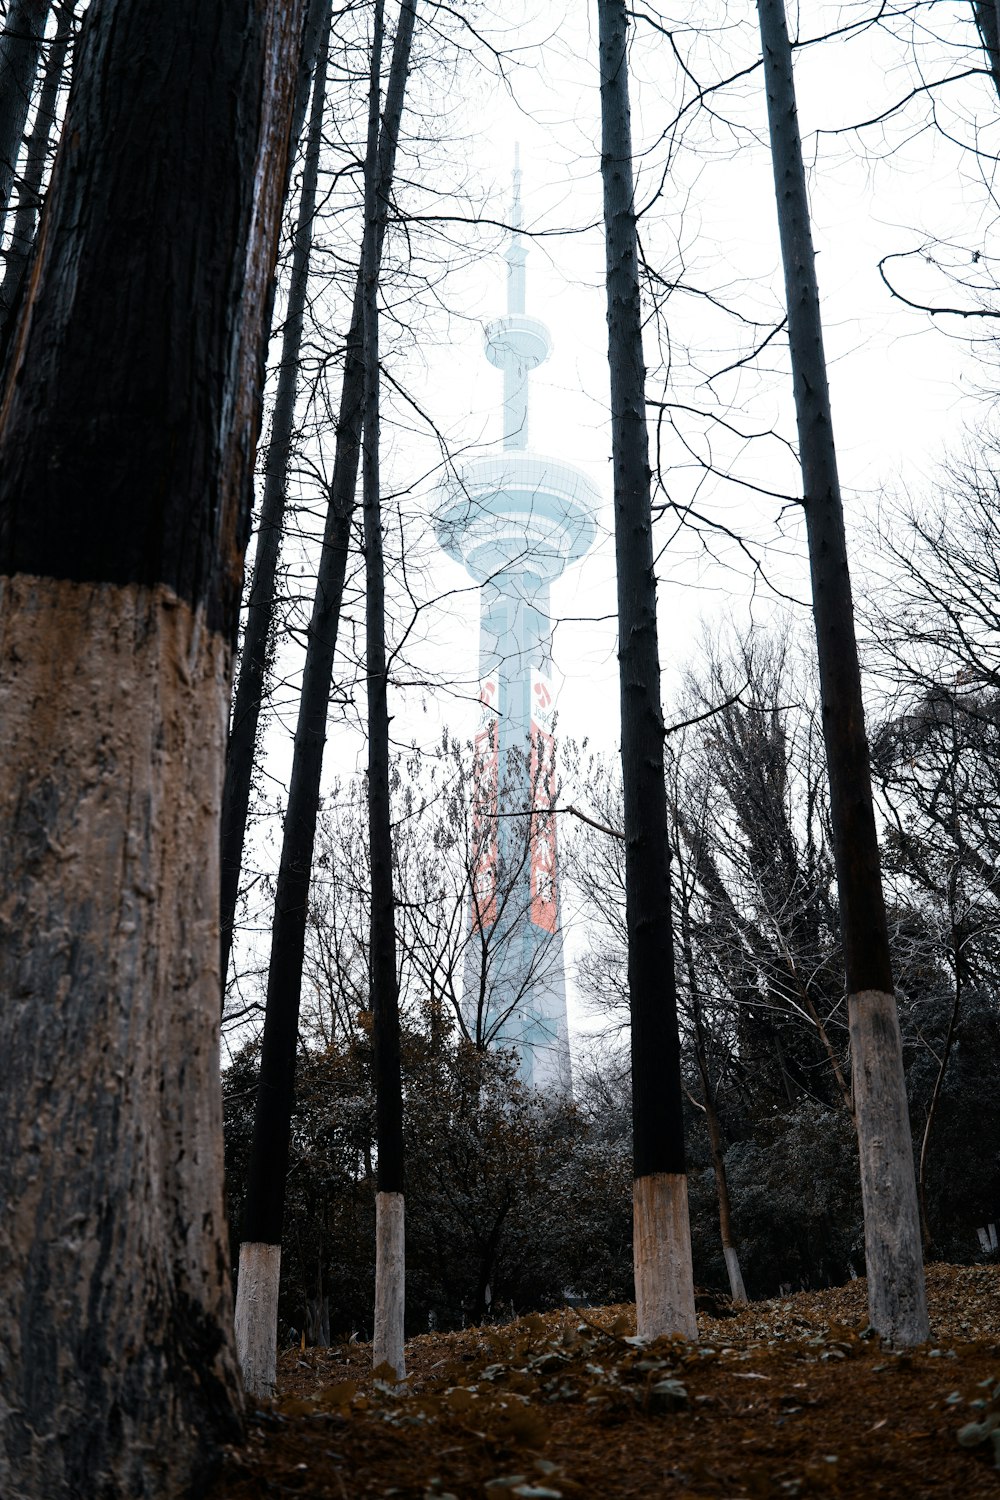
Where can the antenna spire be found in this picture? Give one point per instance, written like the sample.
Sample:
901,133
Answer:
516,344
516,252
515,213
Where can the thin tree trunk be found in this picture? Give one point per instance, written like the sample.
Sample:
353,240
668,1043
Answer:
20,51
715,1139
896,1296
127,432
956,945
809,1005
925,1226
487,1266
831,1054
29,194
388,1339
260,613
264,1209
729,1250
717,1148
662,1240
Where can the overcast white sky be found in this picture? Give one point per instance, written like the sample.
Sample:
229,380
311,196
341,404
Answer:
902,389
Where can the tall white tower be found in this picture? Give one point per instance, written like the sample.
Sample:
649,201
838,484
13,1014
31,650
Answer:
516,519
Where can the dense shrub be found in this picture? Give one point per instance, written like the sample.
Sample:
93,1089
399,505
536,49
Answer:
512,1202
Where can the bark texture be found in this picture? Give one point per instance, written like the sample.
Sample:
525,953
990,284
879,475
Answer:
896,1279
149,292
256,1316
664,1286
390,1265
260,611
20,51
657,1106
896,1297
129,412
114,1285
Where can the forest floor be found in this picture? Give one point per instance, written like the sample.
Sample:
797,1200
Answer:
787,1397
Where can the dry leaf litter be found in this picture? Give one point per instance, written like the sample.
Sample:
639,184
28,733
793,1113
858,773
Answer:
785,1398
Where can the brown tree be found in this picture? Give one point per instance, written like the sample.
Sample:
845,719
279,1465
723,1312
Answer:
664,1282
896,1296
129,412
387,1343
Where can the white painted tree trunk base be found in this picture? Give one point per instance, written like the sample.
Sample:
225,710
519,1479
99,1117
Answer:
897,1300
390,1283
661,1254
257,1317
737,1290
113,722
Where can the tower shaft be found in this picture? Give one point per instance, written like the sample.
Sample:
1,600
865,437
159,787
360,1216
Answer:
515,520
515,907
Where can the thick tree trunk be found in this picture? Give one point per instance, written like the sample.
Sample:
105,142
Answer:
116,816
260,613
256,1313
897,1302
29,195
664,1278
127,431
264,1209
388,1346
20,51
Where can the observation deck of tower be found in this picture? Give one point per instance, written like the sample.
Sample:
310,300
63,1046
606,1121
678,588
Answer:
516,519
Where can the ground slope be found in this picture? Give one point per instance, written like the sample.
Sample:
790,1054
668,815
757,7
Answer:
789,1397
